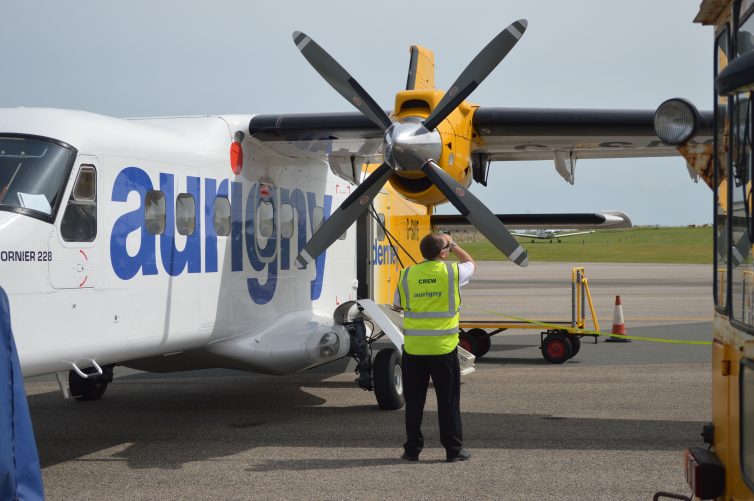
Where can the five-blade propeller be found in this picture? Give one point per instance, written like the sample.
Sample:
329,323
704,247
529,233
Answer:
397,137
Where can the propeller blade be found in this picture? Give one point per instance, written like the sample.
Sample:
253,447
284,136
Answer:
340,80
476,213
476,71
344,216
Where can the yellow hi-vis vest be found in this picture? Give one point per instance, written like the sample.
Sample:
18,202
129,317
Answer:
430,299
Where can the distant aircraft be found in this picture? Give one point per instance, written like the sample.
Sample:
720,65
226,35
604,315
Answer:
180,243
549,234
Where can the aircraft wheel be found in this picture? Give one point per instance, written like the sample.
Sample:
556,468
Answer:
575,345
483,342
388,379
556,348
90,388
468,342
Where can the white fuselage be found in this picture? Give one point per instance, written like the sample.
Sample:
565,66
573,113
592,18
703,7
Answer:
156,299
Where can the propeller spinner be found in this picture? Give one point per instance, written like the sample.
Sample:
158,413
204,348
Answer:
412,144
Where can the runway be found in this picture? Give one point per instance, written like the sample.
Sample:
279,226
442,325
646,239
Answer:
610,423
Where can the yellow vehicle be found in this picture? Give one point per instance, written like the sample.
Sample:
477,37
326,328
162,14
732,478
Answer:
726,469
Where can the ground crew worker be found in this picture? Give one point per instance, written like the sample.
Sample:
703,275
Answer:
428,293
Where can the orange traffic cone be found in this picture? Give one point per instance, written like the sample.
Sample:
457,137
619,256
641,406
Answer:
618,326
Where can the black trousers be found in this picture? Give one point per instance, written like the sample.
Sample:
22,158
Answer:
445,372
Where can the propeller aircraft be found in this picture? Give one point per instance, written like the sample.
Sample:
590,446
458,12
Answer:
181,243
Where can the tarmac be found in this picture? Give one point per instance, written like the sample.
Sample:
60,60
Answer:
610,423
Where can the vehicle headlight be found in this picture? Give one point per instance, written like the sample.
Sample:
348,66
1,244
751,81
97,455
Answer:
676,121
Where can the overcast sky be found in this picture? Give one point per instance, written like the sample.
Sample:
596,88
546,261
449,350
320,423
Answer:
145,58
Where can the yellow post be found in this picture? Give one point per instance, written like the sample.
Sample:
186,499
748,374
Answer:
580,284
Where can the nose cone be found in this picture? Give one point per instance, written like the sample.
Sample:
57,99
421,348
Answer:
408,145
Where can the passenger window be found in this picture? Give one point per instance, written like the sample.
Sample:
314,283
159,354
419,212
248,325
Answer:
286,220
185,215
222,216
318,217
265,220
154,212
79,223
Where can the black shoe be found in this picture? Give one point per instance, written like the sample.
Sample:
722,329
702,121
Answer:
407,457
462,455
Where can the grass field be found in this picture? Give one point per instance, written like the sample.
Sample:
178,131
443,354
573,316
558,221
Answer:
636,245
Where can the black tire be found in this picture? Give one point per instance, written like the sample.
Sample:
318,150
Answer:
468,342
483,341
575,345
388,379
556,348
90,388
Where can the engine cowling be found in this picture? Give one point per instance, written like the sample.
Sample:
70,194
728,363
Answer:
456,135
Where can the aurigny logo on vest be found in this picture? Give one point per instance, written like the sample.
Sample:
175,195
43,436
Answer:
175,261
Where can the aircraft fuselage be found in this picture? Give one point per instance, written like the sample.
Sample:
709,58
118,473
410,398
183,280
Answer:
152,252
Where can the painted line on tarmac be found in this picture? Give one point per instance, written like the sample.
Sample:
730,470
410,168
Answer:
671,319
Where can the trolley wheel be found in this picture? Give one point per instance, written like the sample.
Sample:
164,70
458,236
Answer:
388,379
556,348
468,342
575,344
483,341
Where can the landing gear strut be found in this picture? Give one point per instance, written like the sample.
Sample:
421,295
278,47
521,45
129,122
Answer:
361,352
384,376
91,388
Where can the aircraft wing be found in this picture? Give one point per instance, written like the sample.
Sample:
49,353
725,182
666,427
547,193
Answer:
501,134
550,235
573,234
599,220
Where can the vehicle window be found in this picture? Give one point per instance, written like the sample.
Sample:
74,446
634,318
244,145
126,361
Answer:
286,220
33,175
722,131
79,223
185,214
154,212
747,420
742,271
222,216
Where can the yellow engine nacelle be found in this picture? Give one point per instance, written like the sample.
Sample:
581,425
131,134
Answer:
456,132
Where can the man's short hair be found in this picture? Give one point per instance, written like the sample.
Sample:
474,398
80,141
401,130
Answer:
432,244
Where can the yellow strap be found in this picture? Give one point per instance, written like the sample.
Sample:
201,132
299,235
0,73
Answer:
587,331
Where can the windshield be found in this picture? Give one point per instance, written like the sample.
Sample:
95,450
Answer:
33,173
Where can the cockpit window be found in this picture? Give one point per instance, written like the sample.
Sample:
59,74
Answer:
33,175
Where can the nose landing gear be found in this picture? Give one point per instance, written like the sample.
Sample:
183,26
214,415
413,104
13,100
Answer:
91,388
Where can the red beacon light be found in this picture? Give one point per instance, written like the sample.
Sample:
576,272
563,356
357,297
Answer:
236,157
